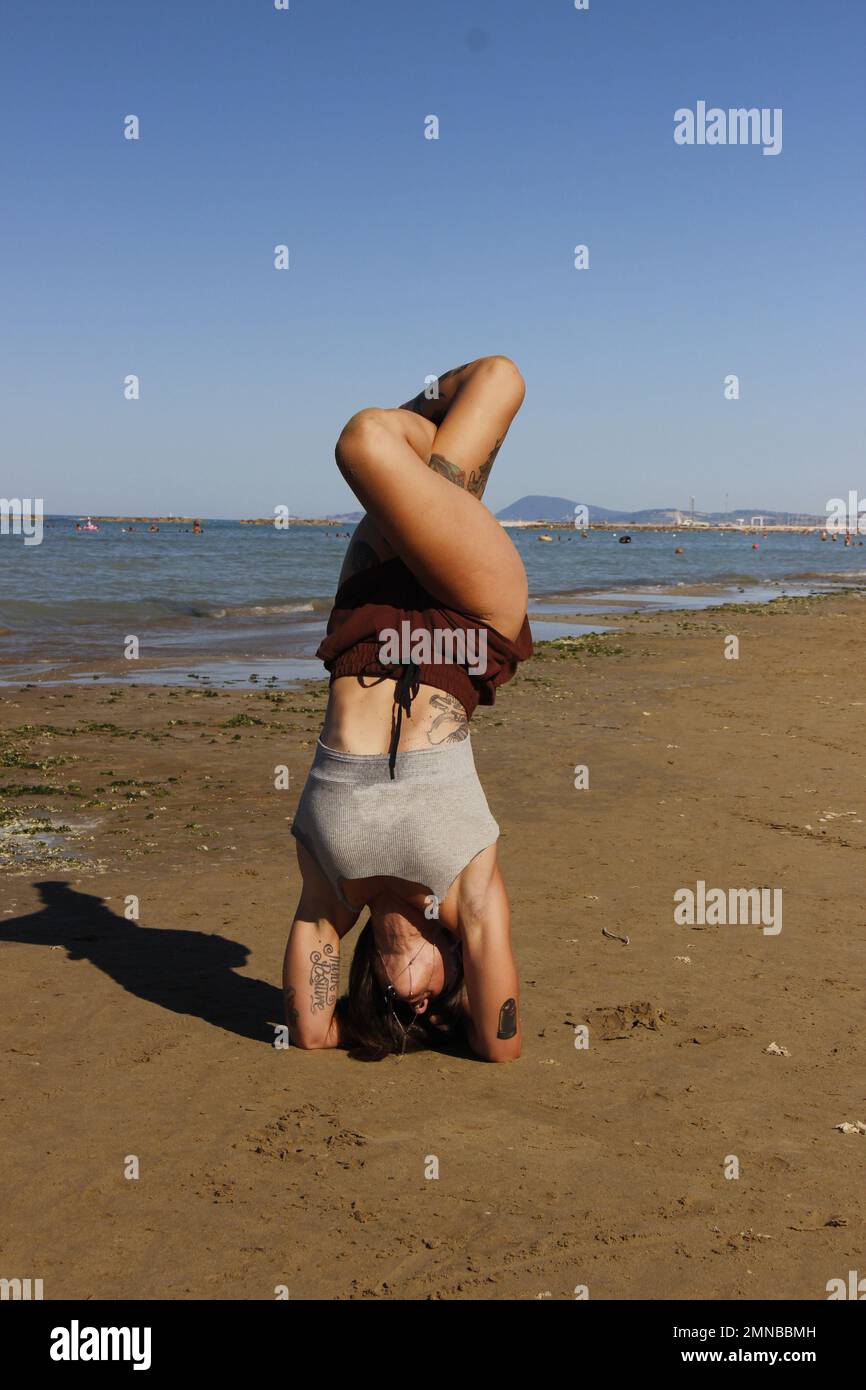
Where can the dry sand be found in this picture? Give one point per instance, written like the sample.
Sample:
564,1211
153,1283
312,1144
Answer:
601,1167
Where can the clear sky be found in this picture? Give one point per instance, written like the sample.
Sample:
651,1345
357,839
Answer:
408,255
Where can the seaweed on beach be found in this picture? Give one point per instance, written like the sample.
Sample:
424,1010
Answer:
589,644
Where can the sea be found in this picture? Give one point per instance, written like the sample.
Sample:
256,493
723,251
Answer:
249,603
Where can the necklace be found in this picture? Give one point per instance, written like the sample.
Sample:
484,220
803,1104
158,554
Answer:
390,992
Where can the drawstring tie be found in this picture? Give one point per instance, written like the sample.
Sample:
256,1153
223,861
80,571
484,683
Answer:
405,690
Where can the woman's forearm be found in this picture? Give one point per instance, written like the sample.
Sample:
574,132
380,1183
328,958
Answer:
311,975
492,985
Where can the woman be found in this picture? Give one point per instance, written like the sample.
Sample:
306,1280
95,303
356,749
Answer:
393,817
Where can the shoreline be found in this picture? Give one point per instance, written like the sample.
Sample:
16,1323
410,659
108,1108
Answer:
284,659
814,527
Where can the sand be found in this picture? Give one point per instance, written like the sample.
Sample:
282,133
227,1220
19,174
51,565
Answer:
601,1167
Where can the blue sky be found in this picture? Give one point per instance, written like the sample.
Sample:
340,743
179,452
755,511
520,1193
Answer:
409,255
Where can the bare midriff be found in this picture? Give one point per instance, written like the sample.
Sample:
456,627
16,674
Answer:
359,717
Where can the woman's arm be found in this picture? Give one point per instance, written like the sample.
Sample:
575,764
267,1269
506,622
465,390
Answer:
311,969
492,986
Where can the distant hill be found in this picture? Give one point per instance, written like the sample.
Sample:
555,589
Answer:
539,508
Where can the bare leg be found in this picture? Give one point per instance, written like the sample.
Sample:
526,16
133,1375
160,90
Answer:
471,420
455,546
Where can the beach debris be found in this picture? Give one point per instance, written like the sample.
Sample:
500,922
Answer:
612,936
832,1221
686,960
621,1020
775,1050
858,1127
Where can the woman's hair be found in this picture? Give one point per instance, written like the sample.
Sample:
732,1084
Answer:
367,1022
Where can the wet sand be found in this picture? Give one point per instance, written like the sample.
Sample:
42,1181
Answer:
601,1167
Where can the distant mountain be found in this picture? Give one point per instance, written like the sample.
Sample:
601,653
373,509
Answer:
539,508
343,516
535,508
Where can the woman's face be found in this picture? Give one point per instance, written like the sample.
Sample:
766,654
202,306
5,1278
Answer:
414,956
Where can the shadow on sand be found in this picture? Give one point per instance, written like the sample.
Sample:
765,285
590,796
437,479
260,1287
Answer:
188,972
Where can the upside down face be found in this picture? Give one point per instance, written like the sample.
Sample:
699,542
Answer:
415,957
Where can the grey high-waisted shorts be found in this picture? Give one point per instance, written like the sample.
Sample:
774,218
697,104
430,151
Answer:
424,826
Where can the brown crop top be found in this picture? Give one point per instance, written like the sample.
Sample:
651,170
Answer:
384,597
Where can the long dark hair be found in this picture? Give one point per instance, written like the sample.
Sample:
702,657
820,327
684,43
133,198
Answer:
368,1027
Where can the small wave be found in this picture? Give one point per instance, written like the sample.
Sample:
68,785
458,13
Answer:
260,610
31,615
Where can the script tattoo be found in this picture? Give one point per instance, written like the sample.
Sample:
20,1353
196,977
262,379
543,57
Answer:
449,470
324,978
451,713
507,1019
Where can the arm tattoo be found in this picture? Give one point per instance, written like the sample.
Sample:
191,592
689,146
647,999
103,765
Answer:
507,1019
450,724
440,464
478,479
324,978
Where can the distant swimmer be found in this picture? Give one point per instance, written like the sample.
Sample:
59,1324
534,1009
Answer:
196,528
625,540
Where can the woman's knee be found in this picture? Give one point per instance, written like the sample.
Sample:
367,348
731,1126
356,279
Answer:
364,437
362,428
505,376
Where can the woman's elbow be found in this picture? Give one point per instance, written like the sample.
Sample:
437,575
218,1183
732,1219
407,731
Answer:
498,1051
